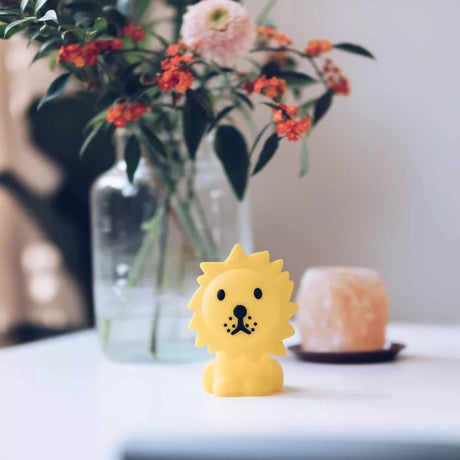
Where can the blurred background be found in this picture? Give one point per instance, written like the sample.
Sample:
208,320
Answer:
381,191
383,181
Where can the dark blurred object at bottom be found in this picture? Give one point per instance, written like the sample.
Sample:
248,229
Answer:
290,448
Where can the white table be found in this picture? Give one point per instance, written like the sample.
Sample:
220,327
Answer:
60,399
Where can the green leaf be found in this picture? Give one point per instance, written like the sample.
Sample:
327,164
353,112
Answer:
194,121
304,158
268,150
2,29
10,11
55,89
220,116
39,5
322,106
52,60
46,49
77,32
6,19
97,119
50,15
99,27
231,150
204,98
81,5
304,108
355,49
162,40
16,26
132,157
214,73
245,99
270,69
259,136
96,128
24,4
296,79
141,7
152,141
33,37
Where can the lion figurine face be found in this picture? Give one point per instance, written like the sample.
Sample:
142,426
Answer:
243,305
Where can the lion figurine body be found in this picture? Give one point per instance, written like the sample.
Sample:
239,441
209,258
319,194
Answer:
241,312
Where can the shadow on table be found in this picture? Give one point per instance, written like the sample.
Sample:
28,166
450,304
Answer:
430,359
326,394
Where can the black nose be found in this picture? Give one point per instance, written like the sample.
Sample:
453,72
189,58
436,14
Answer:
240,311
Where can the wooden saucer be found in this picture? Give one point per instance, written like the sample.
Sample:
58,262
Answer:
388,353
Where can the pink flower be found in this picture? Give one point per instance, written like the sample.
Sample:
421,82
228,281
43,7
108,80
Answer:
221,29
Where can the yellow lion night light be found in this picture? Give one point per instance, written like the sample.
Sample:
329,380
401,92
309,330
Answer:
241,313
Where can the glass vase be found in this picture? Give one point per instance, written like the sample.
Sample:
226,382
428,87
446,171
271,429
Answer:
147,247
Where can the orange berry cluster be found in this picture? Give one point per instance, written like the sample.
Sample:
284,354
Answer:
286,125
284,111
273,87
282,39
177,48
336,80
176,74
137,33
121,113
266,33
318,47
86,55
293,129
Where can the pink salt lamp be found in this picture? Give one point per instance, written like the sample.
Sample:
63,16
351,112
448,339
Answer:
342,309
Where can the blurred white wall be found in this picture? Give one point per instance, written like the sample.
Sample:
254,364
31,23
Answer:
383,186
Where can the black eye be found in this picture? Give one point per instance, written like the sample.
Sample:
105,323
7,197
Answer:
258,293
221,294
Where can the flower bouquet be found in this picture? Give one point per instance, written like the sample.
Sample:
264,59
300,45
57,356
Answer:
171,96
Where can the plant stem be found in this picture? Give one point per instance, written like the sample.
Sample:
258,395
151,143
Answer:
180,10
318,71
181,269
249,120
139,51
298,53
192,197
183,214
152,227
163,242
207,229
189,227
265,12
